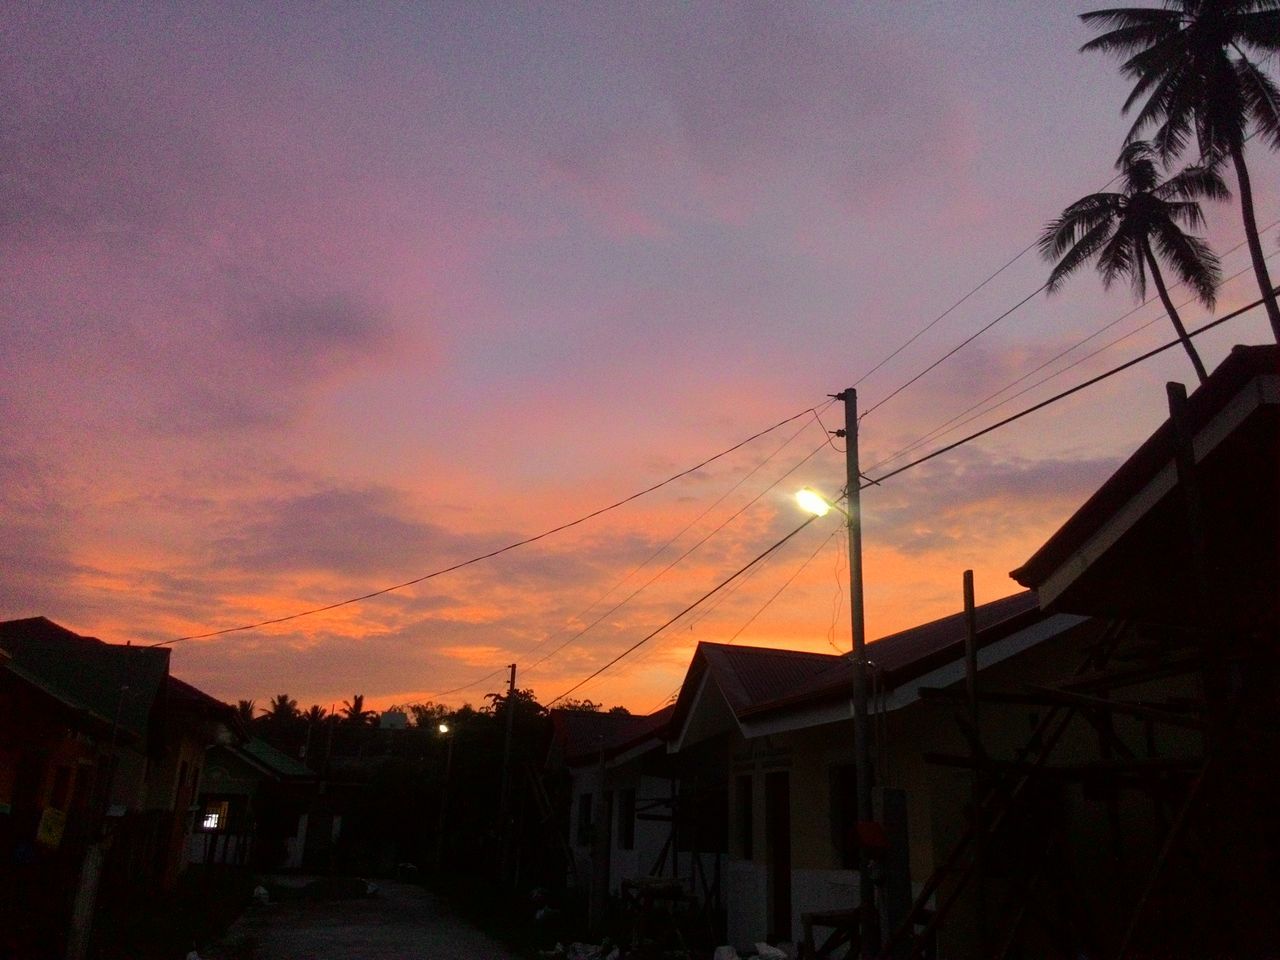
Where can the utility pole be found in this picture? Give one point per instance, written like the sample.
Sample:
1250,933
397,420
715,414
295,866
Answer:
868,926
504,804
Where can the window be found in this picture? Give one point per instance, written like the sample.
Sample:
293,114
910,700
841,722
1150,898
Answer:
627,819
584,819
844,813
213,816
744,816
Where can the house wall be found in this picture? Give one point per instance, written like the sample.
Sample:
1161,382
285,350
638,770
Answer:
818,880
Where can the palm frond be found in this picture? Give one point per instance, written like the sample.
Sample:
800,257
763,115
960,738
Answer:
1119,258
1078,220
1260,29
1192,260
1261,100
1193,183
1077,255
1184,212
1135,36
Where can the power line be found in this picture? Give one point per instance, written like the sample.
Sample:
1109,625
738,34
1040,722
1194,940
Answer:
799,570
942,428
1063,395
791,579
915,463
954,350
680,558
929,326
647,583
653,556
720,586
493,553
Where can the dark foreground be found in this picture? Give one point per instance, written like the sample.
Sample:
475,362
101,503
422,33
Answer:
399,920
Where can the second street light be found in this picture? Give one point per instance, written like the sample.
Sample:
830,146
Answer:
817,504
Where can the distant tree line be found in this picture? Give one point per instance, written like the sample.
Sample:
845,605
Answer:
424,797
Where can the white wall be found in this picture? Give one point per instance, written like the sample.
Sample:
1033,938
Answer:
746,900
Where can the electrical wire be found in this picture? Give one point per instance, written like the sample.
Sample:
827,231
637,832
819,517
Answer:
956,421
492,553
1141,358
718,587
777,593
954,350
658,552
928,326
1064,394
680,558
791,579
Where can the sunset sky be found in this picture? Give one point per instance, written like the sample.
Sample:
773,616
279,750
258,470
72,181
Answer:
299,301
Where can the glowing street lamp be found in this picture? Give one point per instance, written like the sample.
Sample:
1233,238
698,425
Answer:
813,502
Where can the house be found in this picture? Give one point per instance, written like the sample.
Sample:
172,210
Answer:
1173,831
97,780
254,807
750,772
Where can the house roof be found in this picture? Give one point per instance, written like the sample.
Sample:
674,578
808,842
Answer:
108,680
1126,551
579,736
757,681
263,754
908,654
184,695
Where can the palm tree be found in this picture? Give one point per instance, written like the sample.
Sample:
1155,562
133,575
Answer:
1125,231
1191,62
354,713
244,712
282,710
315,714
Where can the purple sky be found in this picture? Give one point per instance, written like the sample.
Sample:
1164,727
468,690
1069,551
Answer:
301,302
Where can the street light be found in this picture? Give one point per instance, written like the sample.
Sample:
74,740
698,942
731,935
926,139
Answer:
819,505
447,732
811,501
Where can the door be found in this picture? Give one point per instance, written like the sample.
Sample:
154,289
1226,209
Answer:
777,838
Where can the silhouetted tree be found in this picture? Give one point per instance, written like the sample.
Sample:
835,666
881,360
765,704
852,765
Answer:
354,713
1126,230
1190,62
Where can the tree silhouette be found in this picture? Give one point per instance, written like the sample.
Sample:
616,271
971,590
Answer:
245,712
1190,61
315,714
282,710
1125,231
354,713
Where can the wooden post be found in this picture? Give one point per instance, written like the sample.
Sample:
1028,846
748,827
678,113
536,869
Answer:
868,939
599,899
976,786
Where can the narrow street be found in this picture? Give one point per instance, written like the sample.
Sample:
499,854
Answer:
399,921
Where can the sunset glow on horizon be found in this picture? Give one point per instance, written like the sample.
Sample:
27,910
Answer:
299,304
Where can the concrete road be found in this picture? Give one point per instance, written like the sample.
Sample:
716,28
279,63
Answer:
400,922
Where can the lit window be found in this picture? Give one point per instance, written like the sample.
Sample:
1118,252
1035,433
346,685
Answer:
214,816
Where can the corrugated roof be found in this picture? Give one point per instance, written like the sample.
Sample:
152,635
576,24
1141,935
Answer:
750,676
275,760
107,679
908,654
757,680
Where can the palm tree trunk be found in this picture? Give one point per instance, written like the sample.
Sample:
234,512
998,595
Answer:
1173,314
1254,241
